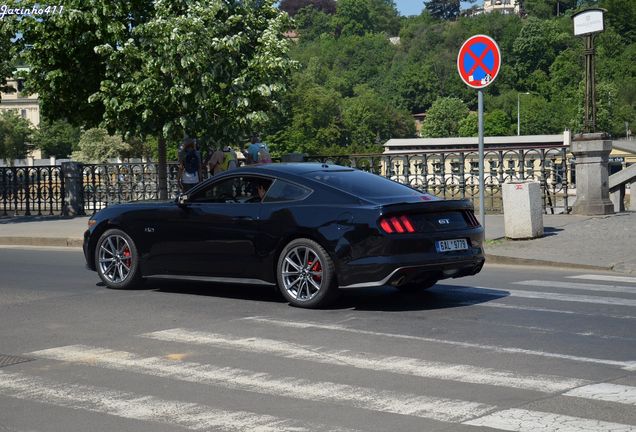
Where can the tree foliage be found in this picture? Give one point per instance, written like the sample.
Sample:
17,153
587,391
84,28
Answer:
97,146
56,138
444,118
443,9
292,7
15,133
6,48
207,70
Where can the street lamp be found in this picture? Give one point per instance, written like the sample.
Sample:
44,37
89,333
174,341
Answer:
518,113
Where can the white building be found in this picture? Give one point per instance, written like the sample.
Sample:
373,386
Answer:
502,6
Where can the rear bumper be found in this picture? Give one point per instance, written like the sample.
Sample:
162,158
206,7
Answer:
404,274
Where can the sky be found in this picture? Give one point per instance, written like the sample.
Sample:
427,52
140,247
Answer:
412,7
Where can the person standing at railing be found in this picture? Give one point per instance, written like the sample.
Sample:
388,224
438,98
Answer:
190,172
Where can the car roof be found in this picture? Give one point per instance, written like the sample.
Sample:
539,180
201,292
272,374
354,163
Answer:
297,168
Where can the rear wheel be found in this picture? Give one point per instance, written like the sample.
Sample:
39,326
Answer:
306,274
417,285
117,260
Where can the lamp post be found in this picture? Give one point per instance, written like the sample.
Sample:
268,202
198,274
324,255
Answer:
518,113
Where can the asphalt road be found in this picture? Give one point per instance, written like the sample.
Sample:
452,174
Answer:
514,348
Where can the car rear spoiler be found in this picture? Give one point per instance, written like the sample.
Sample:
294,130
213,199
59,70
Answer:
428,206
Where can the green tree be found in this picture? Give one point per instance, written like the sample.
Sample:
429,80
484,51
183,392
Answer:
208,70
15,133
443,9
65,69
444,117
292,7
6,48
358,17
56,138
496,123
547,8
97,146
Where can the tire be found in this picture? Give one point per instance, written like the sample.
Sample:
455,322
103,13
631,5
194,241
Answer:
117,260
416,286
306,274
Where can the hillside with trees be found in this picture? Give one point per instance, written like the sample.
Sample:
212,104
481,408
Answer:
358,86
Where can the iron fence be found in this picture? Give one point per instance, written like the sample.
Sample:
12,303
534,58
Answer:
31,190
106,184
449,175
453,175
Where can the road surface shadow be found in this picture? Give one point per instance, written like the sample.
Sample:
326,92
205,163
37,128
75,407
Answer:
384,299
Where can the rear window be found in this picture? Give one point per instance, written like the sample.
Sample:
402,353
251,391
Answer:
364,184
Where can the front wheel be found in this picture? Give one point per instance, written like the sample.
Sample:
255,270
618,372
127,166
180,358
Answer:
306,274
117,260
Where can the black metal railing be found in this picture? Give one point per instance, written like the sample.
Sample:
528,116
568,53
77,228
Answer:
106,184
452,175
449,175
31,190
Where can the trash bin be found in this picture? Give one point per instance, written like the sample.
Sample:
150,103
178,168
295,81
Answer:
523,212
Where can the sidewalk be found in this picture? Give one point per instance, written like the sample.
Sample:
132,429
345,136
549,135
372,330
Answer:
585,242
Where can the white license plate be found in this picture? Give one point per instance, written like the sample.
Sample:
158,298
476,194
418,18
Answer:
451,245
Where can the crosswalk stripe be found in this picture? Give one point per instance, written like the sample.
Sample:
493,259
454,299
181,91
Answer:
606,278
147,408
579,286
627,365
549,310
520,420
606,392
441,409
362,360
576,298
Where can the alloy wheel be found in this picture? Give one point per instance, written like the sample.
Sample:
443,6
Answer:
302,273
115,258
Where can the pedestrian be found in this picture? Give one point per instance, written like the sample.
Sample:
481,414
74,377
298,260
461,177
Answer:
189,166
222,160
257,151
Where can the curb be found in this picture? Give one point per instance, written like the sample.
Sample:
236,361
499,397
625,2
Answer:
41,241
499,259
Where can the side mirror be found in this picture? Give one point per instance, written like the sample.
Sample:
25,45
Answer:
182,199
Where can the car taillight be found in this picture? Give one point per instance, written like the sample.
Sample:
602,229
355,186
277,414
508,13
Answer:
471,218
396,225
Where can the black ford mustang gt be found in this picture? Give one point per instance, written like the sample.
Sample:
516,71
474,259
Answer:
308,228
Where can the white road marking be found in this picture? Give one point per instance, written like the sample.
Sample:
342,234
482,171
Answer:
576,298
607,278
627,365
606,392
549,310
147,408
520,420
579,286
441,409
362,360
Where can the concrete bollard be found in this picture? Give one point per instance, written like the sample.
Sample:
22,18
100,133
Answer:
523,212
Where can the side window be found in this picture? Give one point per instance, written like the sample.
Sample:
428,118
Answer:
234,190
284,191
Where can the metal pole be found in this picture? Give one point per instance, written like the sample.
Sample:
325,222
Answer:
482,186
590,102
518,117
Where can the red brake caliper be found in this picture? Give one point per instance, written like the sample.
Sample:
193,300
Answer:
315,268
127,257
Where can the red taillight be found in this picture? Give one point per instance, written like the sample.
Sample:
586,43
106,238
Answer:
397,224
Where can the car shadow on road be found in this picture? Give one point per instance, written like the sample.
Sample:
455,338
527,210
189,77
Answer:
384,299
211,289
388,299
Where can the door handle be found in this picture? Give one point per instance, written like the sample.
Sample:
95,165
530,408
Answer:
242,218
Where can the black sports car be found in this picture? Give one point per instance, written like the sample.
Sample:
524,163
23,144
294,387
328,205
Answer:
308,228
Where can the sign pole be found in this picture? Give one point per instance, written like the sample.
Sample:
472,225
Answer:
482,183
478,64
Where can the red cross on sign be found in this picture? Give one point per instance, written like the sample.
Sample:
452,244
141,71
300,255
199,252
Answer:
479,61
